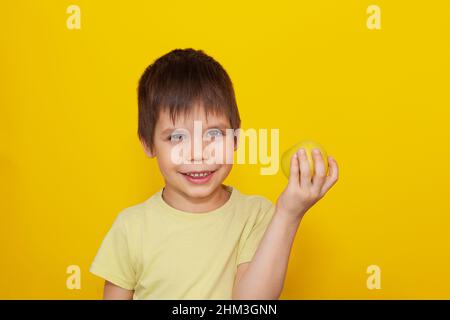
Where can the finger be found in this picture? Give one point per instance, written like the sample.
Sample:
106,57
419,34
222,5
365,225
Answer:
294,175
332,177
319,171
305,175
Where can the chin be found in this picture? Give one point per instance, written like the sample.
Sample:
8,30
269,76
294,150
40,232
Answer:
200,191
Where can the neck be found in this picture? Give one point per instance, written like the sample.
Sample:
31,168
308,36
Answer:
184,202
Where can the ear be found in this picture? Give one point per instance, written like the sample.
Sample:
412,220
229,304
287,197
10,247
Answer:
147,150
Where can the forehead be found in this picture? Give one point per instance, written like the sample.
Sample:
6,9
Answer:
186,119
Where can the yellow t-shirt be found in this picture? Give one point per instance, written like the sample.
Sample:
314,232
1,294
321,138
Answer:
164,253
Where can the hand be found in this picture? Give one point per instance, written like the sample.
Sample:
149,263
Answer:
301,193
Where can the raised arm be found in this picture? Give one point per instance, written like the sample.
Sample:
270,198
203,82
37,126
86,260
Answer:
263,277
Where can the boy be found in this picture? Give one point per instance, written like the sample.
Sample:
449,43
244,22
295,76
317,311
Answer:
197,238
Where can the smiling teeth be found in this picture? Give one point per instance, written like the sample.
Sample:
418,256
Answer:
198,175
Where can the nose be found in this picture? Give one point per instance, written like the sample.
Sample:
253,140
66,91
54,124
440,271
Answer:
197,150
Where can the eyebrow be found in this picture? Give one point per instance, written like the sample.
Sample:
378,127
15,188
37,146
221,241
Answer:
220,125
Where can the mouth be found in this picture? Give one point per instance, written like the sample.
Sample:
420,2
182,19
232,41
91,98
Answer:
198,177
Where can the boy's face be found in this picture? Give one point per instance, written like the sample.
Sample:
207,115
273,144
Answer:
183,151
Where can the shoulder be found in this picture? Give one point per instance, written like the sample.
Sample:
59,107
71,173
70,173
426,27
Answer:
254,204
253,199
133,216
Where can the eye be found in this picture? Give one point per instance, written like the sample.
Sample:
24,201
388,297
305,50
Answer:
175,137
214,133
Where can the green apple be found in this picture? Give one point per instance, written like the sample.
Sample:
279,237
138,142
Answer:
308,145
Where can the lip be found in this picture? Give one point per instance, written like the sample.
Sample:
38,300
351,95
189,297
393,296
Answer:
199,180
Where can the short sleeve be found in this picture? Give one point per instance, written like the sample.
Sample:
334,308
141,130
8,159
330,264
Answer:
113,261
256,233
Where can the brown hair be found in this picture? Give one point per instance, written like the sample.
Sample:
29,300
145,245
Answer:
179,80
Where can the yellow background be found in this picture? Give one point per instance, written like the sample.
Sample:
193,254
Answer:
377,100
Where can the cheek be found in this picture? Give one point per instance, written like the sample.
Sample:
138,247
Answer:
225,169
164,158
220,151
